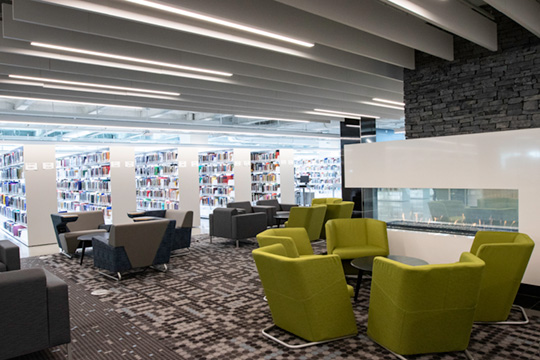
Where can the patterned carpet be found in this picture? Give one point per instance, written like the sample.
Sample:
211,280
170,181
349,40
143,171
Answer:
210,305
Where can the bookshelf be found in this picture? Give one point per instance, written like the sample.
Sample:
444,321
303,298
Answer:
324,174
265,175
13,194
83,182
216,180
157,185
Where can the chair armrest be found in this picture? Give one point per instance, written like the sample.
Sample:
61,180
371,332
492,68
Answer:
106,227
9,255
287,207
248,225
270,212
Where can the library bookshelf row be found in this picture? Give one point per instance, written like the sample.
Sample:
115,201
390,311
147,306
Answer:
83,180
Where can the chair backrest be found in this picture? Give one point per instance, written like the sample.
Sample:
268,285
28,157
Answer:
295,240
246,205
307,296
183,218
355,232
506,256
340,210
87,220
140,240
310,218
270,202
423,309
318,201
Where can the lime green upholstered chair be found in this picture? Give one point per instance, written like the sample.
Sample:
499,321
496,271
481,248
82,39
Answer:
307,296
340,210
325,201
310,218
423,309
295,240
506,255
353,238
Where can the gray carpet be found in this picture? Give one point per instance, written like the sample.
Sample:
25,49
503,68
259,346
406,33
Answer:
210,305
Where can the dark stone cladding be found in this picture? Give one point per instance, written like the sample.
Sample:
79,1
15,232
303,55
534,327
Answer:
480,90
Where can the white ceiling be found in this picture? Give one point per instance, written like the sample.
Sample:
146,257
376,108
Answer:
360,50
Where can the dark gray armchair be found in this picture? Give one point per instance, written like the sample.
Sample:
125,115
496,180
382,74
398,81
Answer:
131,246
34,309
236,225
247,208
183,223
9,256
69,226
279,209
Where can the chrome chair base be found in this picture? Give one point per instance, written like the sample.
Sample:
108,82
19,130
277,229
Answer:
273,338
507,322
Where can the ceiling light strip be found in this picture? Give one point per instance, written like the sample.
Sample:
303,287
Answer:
398,103
383,105
221,22
340,114
127,58
78,83
67,101
269,118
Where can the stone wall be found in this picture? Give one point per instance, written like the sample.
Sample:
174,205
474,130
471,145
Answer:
480,91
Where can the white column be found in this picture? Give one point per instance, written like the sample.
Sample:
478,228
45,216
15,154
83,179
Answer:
122,183
286,176
40,181
242,175
188,181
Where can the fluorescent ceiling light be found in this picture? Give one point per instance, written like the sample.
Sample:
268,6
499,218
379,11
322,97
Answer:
353,126
103,86
410,6
340,114
127,58
383,105
269,118
67,102
389,101
217,21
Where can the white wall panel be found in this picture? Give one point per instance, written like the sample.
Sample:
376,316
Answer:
188,180
122,183
498,160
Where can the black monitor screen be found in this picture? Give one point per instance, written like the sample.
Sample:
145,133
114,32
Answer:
304,178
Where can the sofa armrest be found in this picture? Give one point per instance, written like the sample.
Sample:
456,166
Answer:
9,255
248,225
58,310
106,227
270,212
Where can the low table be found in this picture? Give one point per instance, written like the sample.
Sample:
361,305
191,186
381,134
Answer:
281,218
365,263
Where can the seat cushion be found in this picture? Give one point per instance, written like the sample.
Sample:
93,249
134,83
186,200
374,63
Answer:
353,252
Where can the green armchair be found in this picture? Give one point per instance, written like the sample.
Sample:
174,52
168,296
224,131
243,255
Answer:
352,238
506,256
423,309
325,201
310,218
340,210
307,296
295,240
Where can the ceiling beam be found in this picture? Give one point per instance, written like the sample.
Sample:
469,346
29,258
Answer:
384,21
524,12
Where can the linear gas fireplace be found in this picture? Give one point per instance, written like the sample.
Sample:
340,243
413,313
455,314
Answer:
451,211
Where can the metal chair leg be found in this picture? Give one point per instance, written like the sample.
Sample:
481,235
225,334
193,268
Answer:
69,351
506,322
467,353
273,338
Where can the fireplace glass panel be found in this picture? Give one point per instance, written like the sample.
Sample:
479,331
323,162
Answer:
462,211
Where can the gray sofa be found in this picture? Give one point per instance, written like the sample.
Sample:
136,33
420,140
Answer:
34,308
69,226
9,256
245,207
279,209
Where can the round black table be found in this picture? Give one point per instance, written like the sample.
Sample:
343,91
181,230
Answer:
281,218
365,263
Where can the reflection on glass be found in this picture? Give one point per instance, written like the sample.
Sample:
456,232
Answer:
463,211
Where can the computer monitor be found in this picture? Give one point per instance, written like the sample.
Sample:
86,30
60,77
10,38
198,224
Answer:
304,179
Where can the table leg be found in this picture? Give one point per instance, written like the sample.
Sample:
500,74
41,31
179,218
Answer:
358,282
82,251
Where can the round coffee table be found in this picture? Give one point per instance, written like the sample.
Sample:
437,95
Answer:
365,263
